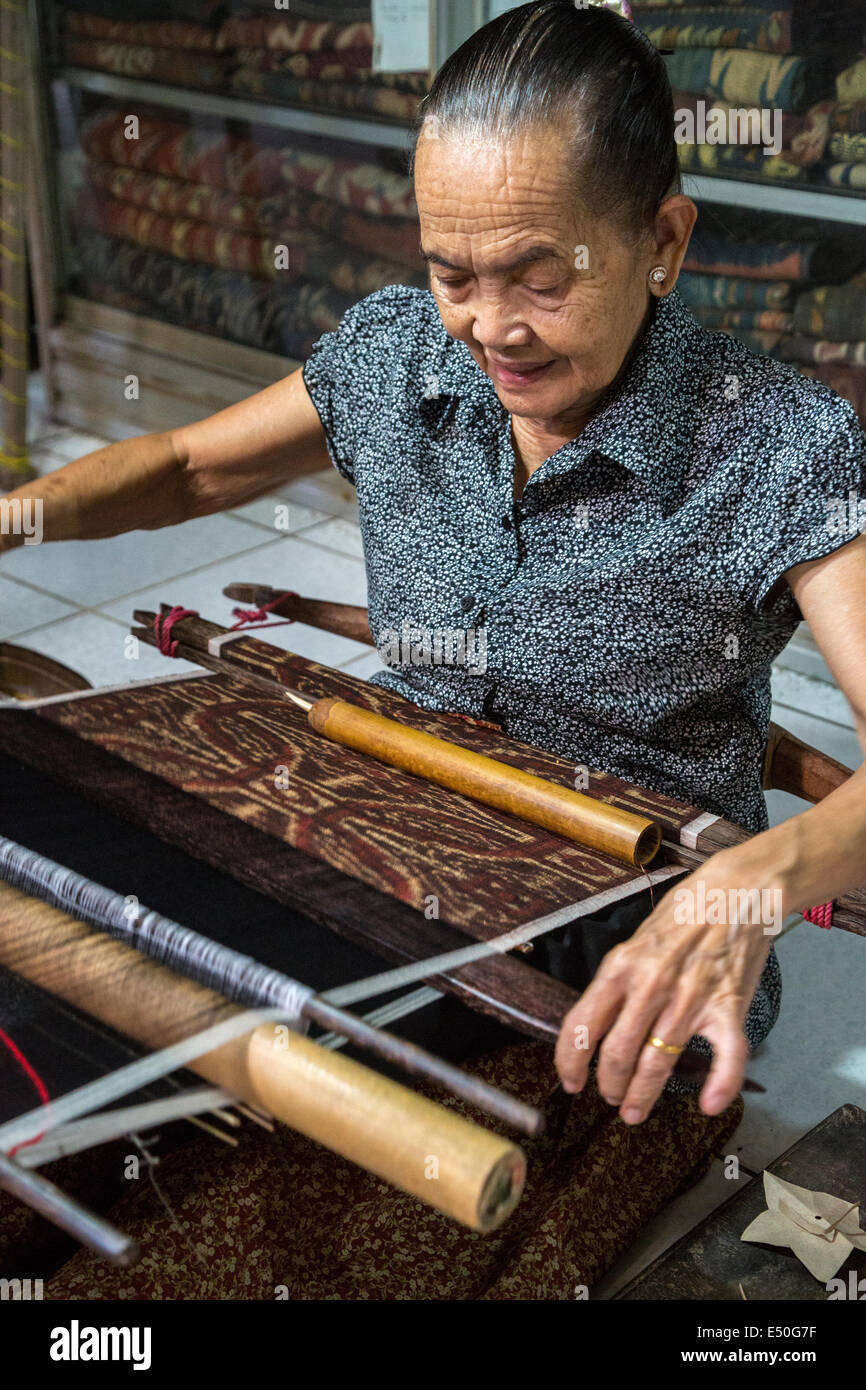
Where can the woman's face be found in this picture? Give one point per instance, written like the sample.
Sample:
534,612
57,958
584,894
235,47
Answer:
547,298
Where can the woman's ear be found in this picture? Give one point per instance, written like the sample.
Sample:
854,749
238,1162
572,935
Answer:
672,230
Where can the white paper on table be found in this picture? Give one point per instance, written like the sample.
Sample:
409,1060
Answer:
401,35
822,1230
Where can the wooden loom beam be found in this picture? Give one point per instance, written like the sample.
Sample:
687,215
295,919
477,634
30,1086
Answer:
365,1117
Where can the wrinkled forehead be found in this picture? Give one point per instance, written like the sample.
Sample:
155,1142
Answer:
484,189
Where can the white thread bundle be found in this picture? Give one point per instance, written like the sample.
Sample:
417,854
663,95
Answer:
236,976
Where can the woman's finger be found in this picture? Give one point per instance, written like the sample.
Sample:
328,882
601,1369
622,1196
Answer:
661,1045
730,1055
622,1047
584,1028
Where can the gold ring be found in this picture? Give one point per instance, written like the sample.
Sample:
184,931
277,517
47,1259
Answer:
672,1048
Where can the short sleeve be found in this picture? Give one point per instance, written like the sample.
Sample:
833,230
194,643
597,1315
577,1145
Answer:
810,501
348,369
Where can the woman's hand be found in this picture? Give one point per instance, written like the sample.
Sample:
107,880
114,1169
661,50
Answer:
691,967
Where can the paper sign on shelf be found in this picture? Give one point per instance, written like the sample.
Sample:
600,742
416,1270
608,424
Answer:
401,35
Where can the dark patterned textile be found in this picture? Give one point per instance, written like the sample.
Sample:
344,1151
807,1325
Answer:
158,34
185,152
370,98
762,320
207,70
732,292
293,35
225,161
228,304
332,64
310,255
759,260
397,239
800,348
850,117
837,312
282,1218
738,27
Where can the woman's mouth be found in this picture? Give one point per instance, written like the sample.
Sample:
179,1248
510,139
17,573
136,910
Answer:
518,374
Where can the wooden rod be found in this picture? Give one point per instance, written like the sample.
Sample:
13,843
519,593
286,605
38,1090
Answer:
624,835
469,1173
345,619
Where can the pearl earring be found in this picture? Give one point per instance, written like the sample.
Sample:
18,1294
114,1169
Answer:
658,274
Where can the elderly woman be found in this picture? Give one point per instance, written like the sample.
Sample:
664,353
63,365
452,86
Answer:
547,446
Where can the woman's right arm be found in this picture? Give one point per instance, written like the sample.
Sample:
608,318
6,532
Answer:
159,480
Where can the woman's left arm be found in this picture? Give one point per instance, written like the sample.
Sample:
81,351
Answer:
682,974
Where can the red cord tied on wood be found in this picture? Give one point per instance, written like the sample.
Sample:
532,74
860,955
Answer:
248,617
822,915
163,624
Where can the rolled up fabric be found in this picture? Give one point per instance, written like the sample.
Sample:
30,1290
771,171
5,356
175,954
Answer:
846,176
718,27
729,291
738,75
835,312
800,348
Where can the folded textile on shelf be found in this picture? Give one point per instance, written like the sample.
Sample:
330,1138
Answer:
184,151
292,35
733,158
355,184
800,348
178,197
849,147
209,70
308,254
742,75
729,291
768,31
166,33
846,175
330,64
760,320
342,96
834,312
333,64
197,11
395,239
371,99
229,304
850,116
851,83
763,260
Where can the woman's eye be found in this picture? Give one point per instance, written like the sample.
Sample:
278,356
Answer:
543,289
450,284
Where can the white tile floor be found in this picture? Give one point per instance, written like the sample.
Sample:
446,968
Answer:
74,601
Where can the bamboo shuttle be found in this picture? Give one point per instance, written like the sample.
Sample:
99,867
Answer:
622,834
469,1173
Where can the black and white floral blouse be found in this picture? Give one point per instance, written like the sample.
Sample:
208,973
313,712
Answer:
625,611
